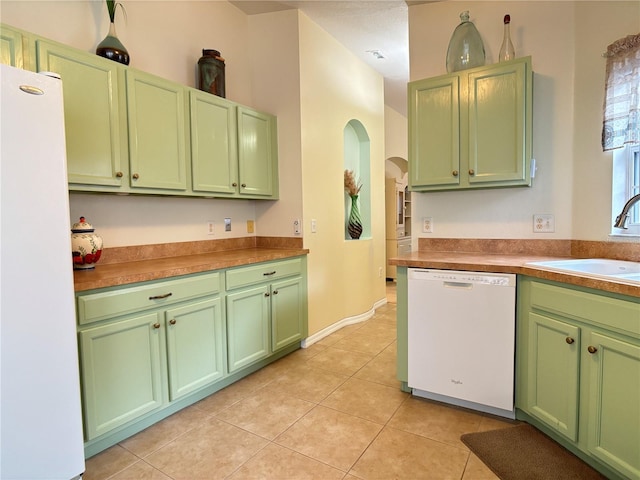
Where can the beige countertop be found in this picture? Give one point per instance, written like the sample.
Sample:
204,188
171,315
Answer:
143,265
512,262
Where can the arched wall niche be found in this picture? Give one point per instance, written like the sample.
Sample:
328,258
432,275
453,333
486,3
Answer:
357,157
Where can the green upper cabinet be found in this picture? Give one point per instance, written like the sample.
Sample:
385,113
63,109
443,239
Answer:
95,129
132,132
472,129
257,154
157,132
214,149
13,50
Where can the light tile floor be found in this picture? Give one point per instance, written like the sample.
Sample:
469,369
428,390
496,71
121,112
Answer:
331,411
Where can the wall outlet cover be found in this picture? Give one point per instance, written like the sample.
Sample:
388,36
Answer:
427,225
544,223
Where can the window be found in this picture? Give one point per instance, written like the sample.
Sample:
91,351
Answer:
626,184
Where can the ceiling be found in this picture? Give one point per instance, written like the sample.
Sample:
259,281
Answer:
363,27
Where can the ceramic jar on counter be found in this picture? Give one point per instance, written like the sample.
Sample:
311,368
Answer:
86,246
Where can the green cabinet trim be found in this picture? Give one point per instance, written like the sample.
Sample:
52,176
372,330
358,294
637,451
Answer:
472,129
14,47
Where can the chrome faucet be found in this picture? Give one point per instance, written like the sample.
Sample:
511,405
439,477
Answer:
621,220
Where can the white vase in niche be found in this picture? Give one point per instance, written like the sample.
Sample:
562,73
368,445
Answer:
86,245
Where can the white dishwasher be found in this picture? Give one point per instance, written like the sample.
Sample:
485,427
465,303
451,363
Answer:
462,338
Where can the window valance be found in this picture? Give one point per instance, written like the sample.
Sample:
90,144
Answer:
622,94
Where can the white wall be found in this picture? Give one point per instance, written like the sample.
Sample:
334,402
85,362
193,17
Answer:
164,38
565,41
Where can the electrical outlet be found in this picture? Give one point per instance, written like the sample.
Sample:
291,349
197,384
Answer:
250,226
544,223
297,227
227,224
427,225
209,228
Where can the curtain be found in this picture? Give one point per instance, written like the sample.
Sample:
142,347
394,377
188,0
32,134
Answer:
622,94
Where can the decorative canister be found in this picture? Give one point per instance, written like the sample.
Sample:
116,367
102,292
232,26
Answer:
86,246
211,73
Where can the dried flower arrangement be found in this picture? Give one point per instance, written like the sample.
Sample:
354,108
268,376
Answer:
350,184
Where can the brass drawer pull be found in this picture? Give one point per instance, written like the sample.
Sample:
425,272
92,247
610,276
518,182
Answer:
172,321
569,340
268,274
160,297
591,349
119,174
234,184
266,294
472,171
455,173
275,292
156,325
244,185
135,176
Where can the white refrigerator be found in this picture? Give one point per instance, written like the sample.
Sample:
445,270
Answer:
40,412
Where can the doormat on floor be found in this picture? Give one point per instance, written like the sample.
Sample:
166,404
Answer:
525,453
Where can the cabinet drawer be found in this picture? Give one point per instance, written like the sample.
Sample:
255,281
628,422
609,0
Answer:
93,307
264,272
601,310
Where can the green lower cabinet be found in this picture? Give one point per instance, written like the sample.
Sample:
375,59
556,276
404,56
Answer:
121,366
195,346
553,367
247,326
578,372
287,312
613,412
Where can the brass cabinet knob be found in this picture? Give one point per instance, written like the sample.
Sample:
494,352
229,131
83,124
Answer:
591,349
472,171
244,185
234,184
135,176
455,173
172,321
275,292
569,340
156,325
266,294
119,174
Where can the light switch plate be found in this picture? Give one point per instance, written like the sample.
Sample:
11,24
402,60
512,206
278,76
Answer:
227,224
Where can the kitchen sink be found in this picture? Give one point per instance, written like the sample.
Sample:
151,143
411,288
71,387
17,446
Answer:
595,267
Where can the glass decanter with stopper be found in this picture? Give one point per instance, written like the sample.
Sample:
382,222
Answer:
466,49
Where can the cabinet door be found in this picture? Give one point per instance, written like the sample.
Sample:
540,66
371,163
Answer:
434,133
499,119
247,326
257,154
157,132
195,346
613,412
121,372
214,152
287,313
553,373
92,115
11,48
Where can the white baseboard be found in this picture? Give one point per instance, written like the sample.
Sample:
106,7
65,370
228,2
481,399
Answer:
325,332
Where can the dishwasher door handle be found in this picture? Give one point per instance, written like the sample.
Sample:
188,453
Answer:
464,285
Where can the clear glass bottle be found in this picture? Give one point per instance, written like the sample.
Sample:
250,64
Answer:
507,51
466,49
